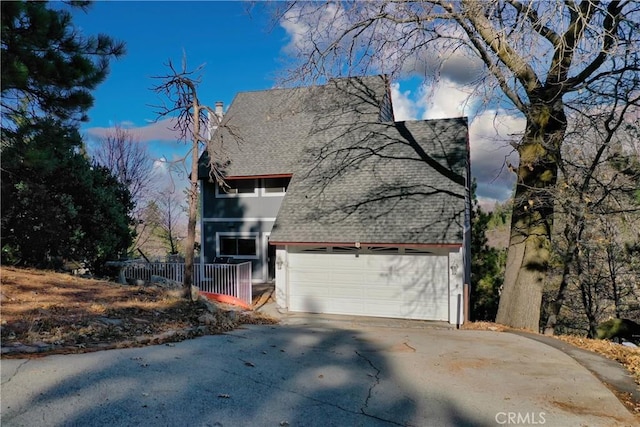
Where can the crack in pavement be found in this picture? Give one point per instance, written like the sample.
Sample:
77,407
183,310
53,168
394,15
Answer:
376,376
16,372
369,394
320,401
314,399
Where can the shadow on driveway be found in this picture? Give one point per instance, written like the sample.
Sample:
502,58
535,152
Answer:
257,376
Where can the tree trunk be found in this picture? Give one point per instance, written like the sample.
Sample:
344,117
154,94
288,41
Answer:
193,204
590,308
531,223
191,227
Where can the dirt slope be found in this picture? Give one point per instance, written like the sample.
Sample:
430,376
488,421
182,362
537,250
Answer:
45,312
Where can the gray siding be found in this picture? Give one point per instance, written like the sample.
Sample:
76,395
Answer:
249,215
253,228
238,207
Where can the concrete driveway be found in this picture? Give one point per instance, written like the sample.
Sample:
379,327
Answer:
318,373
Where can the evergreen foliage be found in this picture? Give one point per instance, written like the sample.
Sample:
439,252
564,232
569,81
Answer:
56,205
47,64
487,264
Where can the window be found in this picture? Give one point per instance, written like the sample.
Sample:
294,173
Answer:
238,245
238,187
272,186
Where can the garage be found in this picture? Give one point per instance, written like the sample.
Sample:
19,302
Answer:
380,282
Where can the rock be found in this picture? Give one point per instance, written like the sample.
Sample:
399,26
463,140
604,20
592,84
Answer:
211,307
195,293
163,282
109,321
231,315
207,319
175,293
135,282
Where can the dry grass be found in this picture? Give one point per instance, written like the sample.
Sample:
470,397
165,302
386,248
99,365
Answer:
62,313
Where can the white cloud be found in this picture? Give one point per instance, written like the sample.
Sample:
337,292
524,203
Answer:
161,165
161,130
403,107
309,26
446,99
329,39
491,134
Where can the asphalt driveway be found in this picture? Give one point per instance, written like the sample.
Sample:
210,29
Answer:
314,374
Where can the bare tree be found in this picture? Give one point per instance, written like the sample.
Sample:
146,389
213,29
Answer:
599,217
170,211
194,122
128,158
124,154
594,192
542,58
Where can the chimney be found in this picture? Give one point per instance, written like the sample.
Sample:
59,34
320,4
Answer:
213,124
219,110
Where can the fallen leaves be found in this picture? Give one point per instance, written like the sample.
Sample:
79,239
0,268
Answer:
46,312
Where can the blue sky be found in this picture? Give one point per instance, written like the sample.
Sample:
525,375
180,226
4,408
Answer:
238,50
244,51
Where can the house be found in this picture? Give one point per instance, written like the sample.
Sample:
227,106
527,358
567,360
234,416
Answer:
349,211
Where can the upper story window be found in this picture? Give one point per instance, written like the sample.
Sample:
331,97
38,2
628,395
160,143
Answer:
253,187
275,186
238,188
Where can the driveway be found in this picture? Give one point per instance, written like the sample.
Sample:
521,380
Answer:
318,373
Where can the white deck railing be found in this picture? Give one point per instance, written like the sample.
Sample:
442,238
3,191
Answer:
227,279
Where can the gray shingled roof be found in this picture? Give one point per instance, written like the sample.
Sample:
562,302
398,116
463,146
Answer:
264,132
355,178
380,183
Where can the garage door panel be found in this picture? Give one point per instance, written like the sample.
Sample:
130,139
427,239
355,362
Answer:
327,305
314,292
413,287
346,291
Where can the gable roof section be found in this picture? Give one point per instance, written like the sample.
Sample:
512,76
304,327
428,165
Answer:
379,183
265,132
357,175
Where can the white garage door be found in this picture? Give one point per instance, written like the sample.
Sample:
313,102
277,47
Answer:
410,286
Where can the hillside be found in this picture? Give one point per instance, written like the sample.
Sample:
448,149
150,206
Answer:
44,312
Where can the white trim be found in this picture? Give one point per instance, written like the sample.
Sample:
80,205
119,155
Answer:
238,234
456,290
259,190
236,219
265,194
265,255
282,278
221,194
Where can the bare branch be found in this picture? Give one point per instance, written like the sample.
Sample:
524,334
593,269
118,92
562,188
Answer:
536,22
497,43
